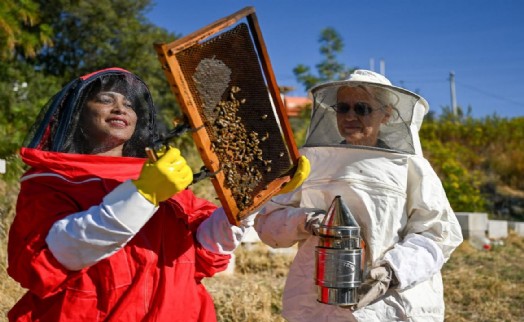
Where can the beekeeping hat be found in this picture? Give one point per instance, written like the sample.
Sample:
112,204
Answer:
400,133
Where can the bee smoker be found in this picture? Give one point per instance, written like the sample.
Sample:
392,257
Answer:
338,257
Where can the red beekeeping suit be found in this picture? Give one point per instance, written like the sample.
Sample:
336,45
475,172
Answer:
122,287
86,244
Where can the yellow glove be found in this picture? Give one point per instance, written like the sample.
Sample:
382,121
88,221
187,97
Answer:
162,179
300,175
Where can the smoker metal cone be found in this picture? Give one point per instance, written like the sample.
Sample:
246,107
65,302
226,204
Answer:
339,215
339,222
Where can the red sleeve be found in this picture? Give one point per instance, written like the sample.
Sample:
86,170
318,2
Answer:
30,262
208,263
196,211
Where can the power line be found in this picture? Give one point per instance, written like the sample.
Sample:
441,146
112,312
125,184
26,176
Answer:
473,88
423,81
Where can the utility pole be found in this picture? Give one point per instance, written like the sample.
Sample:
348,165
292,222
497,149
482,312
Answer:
453,95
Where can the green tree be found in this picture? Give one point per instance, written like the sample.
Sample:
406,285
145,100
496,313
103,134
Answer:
331,44
22,35
95,34
21,90
21,30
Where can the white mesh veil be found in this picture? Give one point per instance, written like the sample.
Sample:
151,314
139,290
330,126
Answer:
400,133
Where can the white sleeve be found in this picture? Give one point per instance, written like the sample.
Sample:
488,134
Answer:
84,238
281,223
219,236
432,231
414,260
429,211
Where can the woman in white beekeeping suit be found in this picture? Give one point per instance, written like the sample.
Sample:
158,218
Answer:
363,145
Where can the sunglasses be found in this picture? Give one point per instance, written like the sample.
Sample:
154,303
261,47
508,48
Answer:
360,108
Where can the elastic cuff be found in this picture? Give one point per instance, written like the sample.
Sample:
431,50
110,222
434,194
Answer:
393,283
128,206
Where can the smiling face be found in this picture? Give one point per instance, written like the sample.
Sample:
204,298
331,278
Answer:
108,121
360,124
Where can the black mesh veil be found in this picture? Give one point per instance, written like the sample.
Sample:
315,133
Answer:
57,126
399,134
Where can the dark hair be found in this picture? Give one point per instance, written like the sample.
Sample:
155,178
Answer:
134,90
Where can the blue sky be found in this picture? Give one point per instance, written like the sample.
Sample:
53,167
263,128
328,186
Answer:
420,43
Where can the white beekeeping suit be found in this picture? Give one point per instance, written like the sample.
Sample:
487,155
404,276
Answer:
393,192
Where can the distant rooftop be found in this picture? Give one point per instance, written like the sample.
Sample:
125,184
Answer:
295,104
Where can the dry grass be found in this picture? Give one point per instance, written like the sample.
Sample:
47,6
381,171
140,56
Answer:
479,285
10,291
254,292
486,286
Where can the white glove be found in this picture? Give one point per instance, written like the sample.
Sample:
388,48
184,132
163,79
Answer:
379,280
248,221
313,219
217,235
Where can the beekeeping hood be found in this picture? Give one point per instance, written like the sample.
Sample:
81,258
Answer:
400,133
57,127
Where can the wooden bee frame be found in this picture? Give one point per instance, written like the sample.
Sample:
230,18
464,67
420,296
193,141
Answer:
223,80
